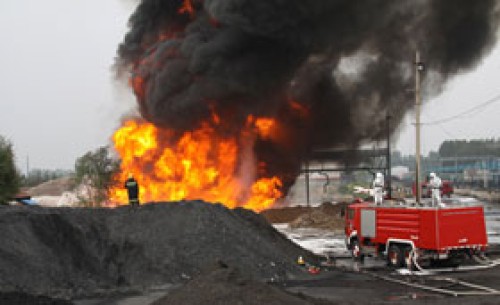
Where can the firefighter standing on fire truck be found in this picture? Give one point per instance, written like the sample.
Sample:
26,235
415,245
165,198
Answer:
435,183
378,188
133,190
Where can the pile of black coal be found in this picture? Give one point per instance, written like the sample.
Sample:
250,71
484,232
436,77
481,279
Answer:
223,285
80,252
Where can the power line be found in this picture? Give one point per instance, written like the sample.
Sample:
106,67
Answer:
446,131
457,116
440,125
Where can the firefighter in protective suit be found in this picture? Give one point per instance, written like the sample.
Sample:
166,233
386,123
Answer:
133,190
435,184
378,188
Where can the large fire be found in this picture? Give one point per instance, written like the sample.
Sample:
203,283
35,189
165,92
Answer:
211,162
200,164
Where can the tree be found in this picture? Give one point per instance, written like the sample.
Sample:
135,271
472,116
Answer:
95,170
9,177
37,176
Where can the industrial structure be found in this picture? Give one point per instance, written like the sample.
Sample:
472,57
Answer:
470,171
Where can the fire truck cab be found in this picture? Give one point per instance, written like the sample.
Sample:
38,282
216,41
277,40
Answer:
413,235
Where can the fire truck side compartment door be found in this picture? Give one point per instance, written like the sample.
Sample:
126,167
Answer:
368,223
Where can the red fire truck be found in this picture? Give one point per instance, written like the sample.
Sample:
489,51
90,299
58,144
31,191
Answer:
412,236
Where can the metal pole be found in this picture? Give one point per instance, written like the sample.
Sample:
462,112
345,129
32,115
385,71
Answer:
418,66
485,174
388,158
307,184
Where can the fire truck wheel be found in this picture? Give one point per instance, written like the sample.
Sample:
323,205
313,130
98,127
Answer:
356,250
408,258
395,256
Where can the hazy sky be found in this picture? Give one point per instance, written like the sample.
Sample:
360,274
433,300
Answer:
461,94
59,99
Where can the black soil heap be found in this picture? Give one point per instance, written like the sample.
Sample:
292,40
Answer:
79,252
228,286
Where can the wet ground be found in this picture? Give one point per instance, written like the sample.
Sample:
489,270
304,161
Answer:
369,283
142,298
373,283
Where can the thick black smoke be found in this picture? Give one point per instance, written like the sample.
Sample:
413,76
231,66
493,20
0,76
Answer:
348,63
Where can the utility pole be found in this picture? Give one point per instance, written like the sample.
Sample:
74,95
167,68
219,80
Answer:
419,67
485,174
307,185
388,158
27,165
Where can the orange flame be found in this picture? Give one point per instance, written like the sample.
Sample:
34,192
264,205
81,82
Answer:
199,165
187,8
298,108
264,125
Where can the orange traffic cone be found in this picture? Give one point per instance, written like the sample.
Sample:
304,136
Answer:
301,261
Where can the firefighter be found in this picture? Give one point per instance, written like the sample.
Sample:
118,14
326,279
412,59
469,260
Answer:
435,183
378,188
133,190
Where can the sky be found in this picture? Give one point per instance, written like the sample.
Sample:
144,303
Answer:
462,93
59,97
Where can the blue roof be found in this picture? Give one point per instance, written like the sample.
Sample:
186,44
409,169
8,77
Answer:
28,202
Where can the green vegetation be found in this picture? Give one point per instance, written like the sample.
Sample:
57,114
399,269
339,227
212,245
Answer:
95,171
9,177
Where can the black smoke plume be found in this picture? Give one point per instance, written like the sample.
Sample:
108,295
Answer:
346,63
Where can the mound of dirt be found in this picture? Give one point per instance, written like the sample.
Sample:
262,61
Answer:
286,214
327,216
228,286
54,187
80,252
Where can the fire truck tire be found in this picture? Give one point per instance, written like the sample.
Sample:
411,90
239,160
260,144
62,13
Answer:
356,250
407,258
395,257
